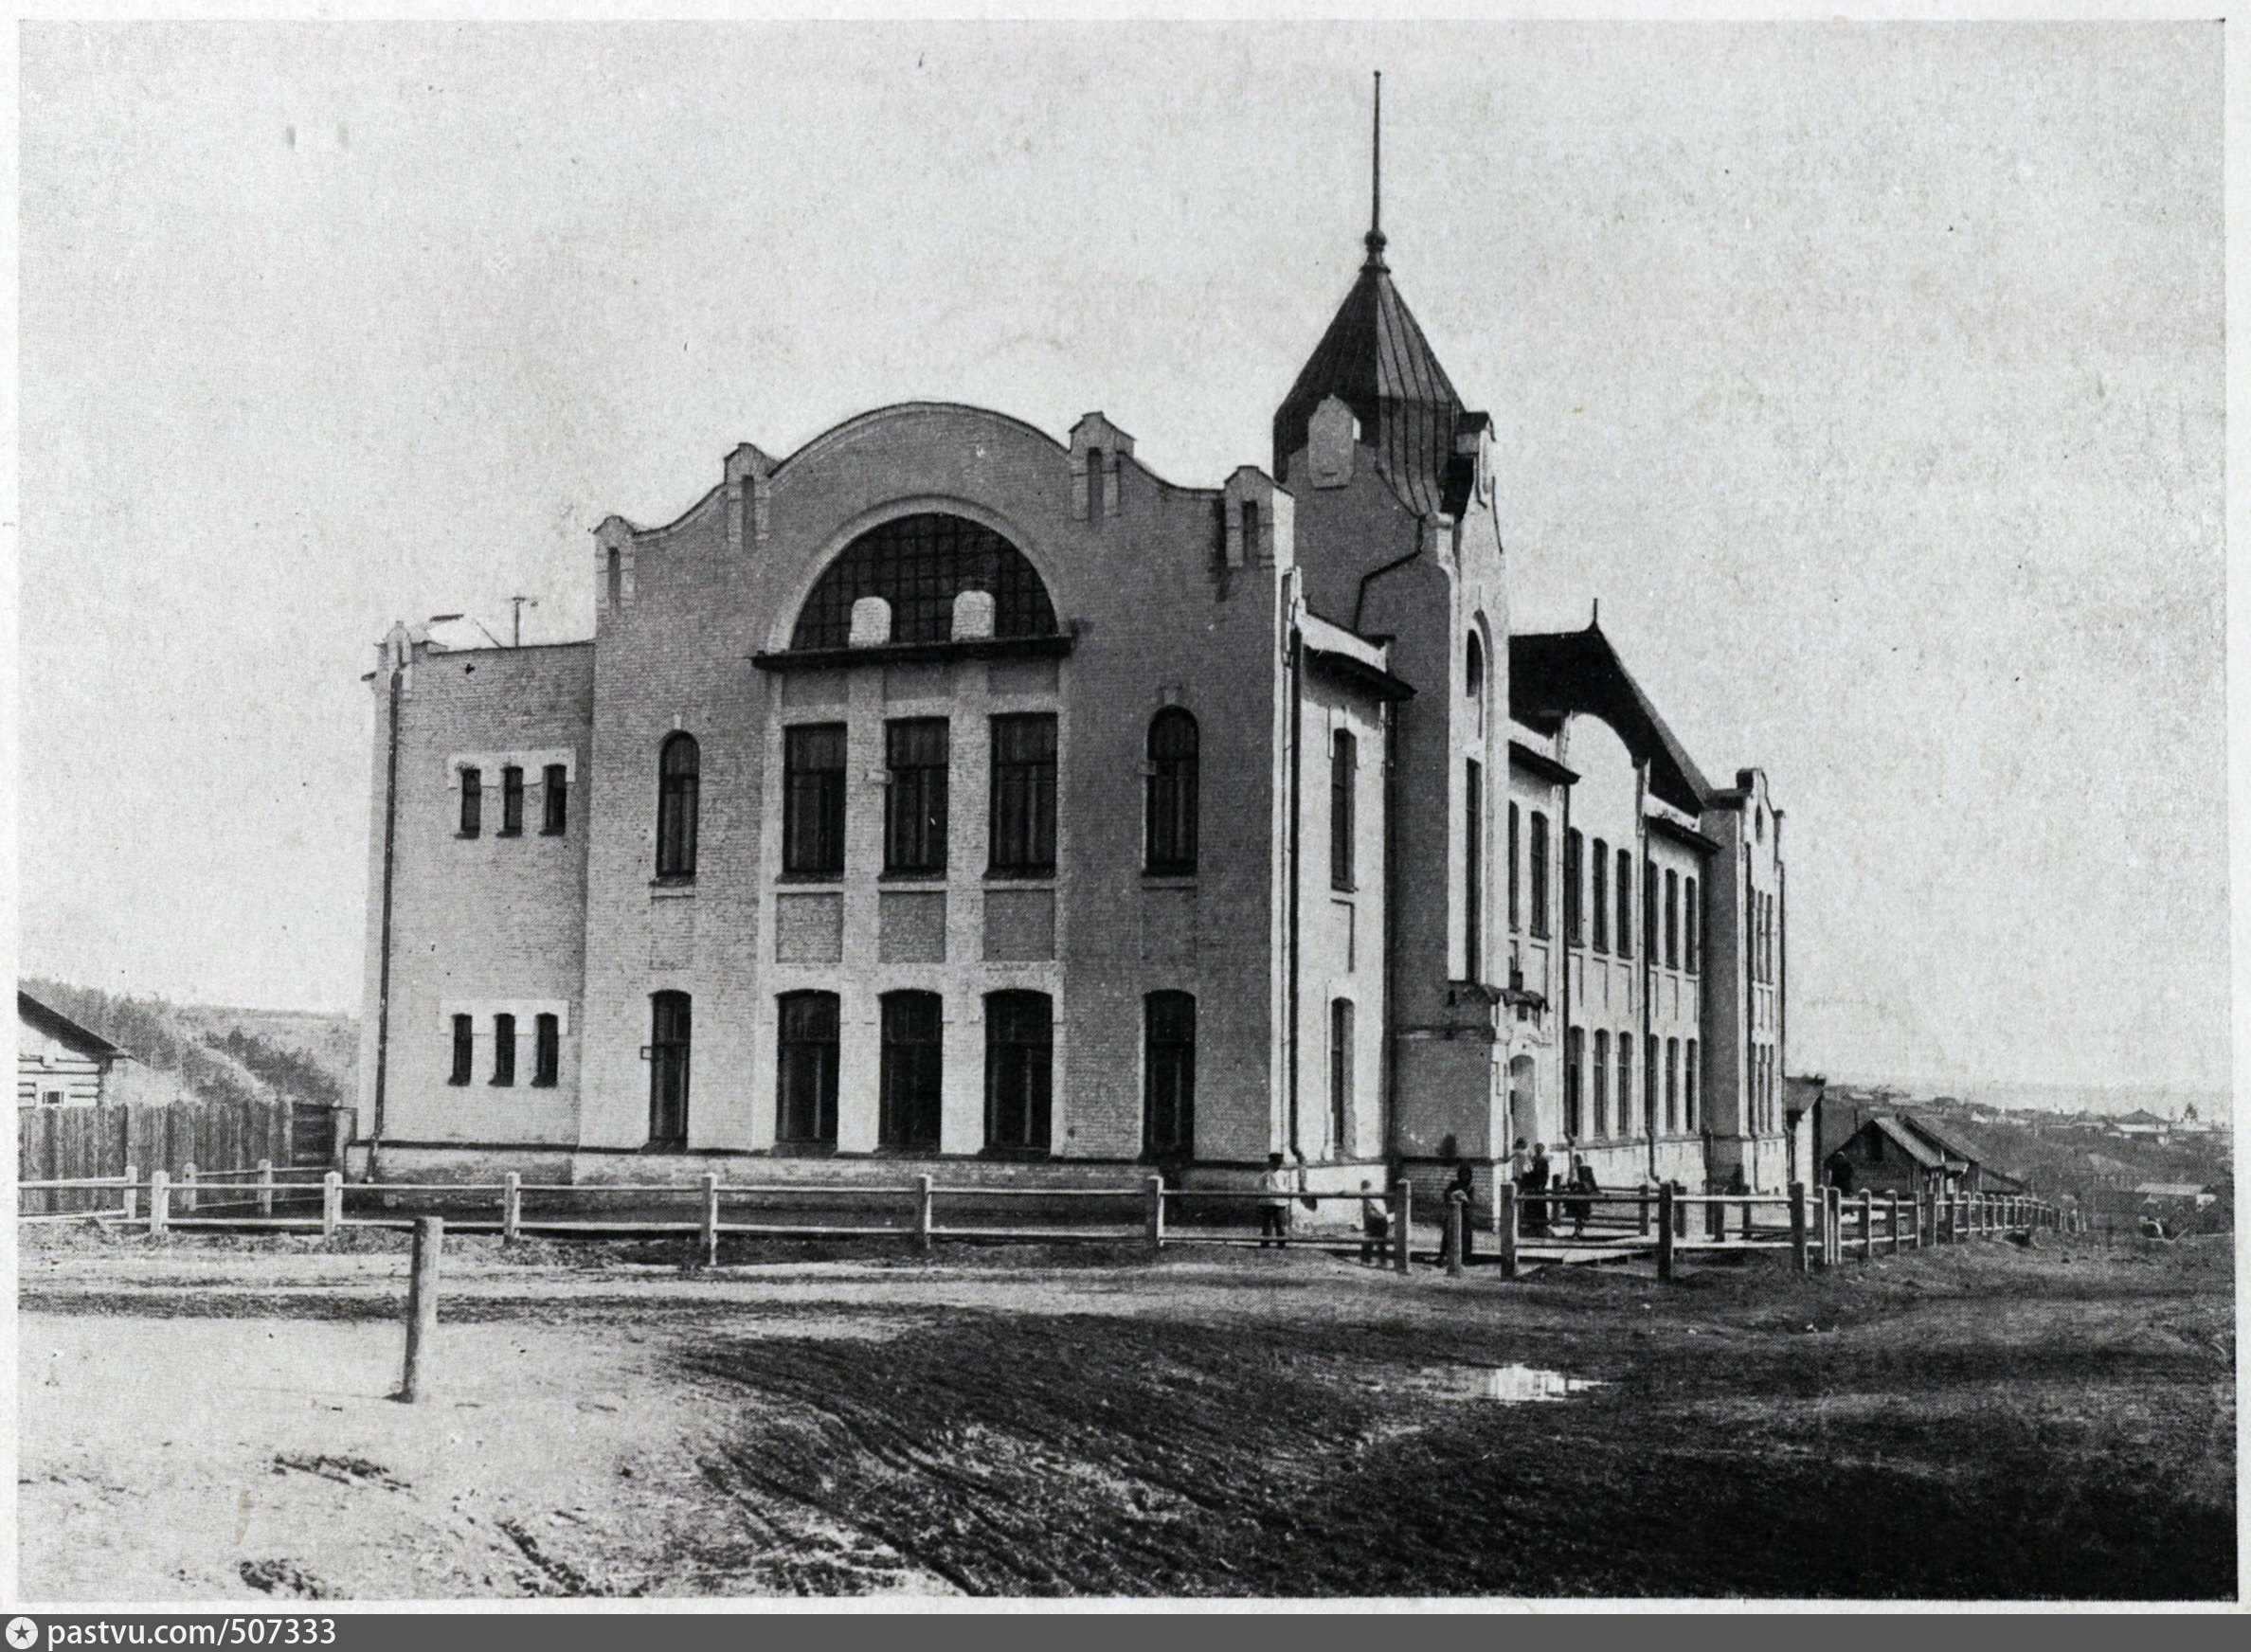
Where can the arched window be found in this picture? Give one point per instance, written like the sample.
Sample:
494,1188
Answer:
919,565
677,780
1019,1068
1473,671
1598,868
805,1073
1168,1075
913,1035
1172,801
1095,480
614,569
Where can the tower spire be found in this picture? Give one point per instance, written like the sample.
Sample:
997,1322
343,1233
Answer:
1375,239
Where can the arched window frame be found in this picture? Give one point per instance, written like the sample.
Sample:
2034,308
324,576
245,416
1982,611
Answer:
1170,815
919,563
680,765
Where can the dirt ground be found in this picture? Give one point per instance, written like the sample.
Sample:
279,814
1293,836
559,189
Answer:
205,1419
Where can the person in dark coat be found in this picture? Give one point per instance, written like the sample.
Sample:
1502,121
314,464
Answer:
1536,1180
1582,1181
1465,1183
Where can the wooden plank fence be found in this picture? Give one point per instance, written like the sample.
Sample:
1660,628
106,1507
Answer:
70,1144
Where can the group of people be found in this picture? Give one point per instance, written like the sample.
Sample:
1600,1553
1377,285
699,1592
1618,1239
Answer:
1536,1180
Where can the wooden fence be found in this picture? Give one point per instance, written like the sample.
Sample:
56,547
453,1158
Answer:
72,1145
1821,1227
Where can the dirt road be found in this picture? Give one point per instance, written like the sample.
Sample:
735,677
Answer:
204,1420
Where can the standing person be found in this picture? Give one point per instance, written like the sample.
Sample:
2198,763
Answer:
1582,1181
1273,1209
1375,1227
1518,1162
1536,1180
1465,1183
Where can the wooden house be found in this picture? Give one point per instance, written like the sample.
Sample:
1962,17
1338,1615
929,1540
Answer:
59,1063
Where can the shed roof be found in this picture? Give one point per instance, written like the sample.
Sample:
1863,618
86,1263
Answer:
55,1024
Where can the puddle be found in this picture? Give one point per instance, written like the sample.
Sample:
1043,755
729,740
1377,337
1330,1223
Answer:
1511,1385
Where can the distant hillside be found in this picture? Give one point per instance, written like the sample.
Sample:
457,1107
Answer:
217,1054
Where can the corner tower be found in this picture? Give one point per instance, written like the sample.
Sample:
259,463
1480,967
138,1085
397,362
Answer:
1398,538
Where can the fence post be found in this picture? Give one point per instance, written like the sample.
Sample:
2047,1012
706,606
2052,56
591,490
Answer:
331,1203
1453,1236
1504,1218
132,1194
710,1218
512,1208
265,1187
1797,1225
1868,1226
1891,1222
925,1213
1153,1212
422,1304
1748,1232
1836,1227
1402,1220
1680,1208
159,1201
1664,1230
188,1187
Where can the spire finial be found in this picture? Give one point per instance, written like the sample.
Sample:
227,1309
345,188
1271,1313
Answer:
1376,206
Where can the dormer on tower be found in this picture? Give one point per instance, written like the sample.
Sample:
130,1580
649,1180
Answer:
748,496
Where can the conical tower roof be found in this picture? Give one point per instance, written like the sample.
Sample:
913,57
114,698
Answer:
1374,358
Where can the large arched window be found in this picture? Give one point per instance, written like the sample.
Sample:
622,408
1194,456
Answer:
919,565
1171,792
677,764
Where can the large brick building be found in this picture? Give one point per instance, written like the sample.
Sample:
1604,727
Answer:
944,791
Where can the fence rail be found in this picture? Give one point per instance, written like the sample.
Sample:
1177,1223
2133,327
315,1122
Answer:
1819,1227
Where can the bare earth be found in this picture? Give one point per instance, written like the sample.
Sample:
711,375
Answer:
205,1419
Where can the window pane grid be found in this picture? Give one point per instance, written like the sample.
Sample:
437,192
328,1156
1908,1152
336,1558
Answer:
1173,780
1023,801
813,800
914,816
919,565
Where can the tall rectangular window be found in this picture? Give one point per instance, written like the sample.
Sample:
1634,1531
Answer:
1601,1074
1169,831
614,572
1020,1072
1023,822
555,800
1672,919
464,1048
671,1041
472,801
1340,1067
1688,1087
915,802
504,1050
1649,912
1168,1075
1598,866
1625,1084
1514,908
805,1071
1575,859
1688,926
1344,806
547,1051
1672,1087
813,800
1625,929
1651,1056
1474,872
1539,874
1575,1052
512,801
913,1069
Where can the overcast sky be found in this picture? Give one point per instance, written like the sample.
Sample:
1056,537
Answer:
1871,377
